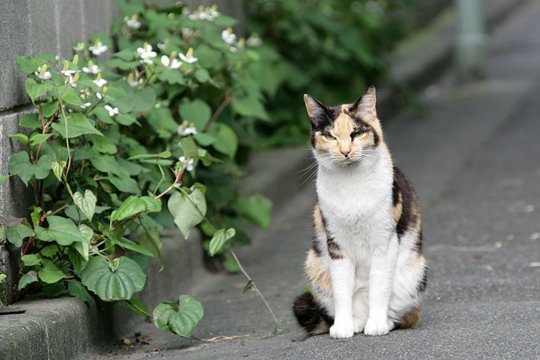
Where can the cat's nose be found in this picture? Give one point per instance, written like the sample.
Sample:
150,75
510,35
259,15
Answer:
345,152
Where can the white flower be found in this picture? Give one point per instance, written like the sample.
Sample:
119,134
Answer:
188,58
112,111
100,82
98,48
254,40
228,36
187,32
188,163
208,14
162,46
42,73
170,62
185,130
146,54
86,105
233,49
69,72
132,23
99,96
93,69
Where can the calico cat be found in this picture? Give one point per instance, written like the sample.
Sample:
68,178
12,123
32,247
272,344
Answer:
366,266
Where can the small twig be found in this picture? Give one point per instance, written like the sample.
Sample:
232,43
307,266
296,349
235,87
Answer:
218,112
256,289
176,181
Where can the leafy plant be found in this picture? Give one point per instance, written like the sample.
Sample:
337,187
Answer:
113,153
331,49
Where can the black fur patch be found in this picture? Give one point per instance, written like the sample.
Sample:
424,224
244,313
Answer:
309,314
422,284
333,247
408,215
315,246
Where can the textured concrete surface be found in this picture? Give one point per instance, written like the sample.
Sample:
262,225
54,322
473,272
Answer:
63,328
473,160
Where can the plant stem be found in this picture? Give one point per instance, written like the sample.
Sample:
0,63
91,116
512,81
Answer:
218,112
176,181
256,289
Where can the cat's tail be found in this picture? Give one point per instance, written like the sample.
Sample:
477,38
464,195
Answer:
310,315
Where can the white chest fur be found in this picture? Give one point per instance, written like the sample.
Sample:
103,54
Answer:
357,205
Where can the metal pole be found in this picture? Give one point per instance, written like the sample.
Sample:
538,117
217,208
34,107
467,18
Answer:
471,39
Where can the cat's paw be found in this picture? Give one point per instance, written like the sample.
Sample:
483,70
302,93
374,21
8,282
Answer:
359,324
377,327
342,330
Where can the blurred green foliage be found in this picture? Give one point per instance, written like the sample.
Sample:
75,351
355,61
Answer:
331,49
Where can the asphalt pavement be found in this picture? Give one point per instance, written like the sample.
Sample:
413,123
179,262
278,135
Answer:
474,159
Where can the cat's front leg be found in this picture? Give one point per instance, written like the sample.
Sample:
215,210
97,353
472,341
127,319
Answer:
381,274
342,274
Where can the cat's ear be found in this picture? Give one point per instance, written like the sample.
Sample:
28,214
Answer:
317,111
365,106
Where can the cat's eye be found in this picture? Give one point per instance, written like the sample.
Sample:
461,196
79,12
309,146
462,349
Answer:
359,133
329,137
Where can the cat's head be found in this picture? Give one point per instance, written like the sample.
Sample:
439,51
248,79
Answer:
345,134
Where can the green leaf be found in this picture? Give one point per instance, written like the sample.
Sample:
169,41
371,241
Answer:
180,319
29,64
30,260
61,230
150,240
37,139
17,234
83,247
204,139
77,125
3,278
50,273
3,179
104,145
49,251
187,210
196,111
22,138
219,240
250,106
20,165
135,306
76,289
202,75
28,278
30,121
117,279
58,168
135,205
126,244
256,208
35,89
226,140
86,203
49,109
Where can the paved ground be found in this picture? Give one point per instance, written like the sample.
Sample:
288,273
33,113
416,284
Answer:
475,161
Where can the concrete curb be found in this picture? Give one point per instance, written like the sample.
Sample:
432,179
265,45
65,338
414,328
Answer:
66,328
